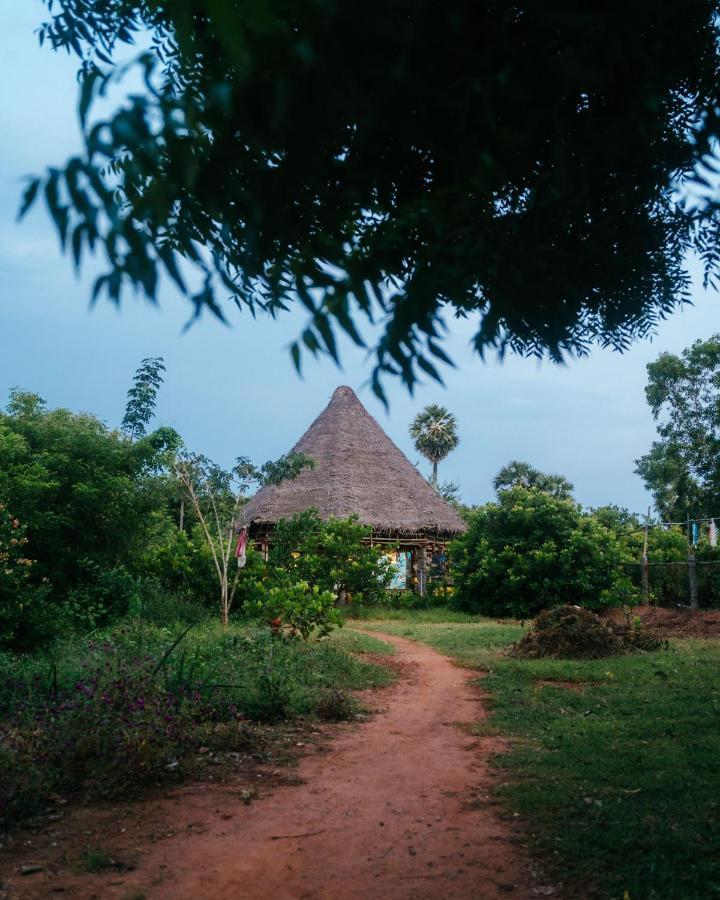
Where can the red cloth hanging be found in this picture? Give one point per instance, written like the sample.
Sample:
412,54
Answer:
241,549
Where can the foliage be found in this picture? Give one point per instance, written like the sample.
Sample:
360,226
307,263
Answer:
333,556
142,397
22,619
369,159
522,474
299,610
217,497
181,563
132,706
668,557
450,492
611,776
434,430
682,469
87,499
529,551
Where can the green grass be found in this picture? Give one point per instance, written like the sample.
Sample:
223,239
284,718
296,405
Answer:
353,641
618,779
386,614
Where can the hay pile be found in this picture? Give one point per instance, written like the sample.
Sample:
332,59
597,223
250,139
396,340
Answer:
571,632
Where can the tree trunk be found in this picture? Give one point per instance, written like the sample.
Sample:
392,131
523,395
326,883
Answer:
434,474
224,601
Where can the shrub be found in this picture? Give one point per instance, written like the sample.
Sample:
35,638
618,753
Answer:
299,609
331,555
22,604
182,563
529,551
103,595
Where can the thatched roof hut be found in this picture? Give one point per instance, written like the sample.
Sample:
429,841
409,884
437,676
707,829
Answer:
359,471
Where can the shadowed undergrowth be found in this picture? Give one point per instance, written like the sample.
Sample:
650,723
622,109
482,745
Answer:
104,716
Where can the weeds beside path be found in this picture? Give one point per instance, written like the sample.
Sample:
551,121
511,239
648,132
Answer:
397,807
614,763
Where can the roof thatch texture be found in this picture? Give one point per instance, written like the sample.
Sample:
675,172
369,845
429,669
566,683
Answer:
358,471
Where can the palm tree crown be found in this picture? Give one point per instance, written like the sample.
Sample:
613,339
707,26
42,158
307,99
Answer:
434,430
521,474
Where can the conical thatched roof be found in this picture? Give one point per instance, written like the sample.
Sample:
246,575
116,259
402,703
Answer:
358,471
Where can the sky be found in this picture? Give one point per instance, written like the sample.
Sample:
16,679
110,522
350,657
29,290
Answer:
232,391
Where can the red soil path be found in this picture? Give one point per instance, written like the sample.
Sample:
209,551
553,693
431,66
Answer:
399,807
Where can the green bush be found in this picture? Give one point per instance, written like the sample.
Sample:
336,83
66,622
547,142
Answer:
103,595
332,556
182,563
299,609
23,621
89,500
529,551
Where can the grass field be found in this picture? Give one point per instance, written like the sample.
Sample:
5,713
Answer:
617,775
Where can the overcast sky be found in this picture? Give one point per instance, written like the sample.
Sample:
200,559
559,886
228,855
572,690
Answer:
233,391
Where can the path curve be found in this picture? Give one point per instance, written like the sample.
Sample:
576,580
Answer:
399,808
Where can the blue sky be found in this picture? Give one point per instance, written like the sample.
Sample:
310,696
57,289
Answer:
233,391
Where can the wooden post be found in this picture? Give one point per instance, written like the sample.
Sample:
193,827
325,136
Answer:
692,577
645,564
421,571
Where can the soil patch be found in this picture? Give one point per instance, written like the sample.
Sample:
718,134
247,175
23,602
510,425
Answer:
401,806
678,622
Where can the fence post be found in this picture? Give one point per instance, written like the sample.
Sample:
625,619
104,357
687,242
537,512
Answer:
692,577
645,564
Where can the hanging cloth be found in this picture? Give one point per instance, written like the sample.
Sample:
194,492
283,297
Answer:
241,549
695,533
712,533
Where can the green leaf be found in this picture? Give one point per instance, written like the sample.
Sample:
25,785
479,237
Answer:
29,196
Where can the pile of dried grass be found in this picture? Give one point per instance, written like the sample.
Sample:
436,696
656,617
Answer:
571,632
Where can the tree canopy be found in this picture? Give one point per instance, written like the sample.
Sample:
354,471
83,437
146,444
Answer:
682,468
142,396
517,164
521,474
529,551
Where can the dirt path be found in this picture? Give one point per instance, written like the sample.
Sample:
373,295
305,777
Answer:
399,807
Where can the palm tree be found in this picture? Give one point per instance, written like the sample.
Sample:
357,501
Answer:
434,430
522,474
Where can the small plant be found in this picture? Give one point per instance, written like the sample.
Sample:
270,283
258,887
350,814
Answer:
299,610
335,705
97,860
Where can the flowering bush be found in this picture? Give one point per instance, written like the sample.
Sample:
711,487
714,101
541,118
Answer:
21,612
